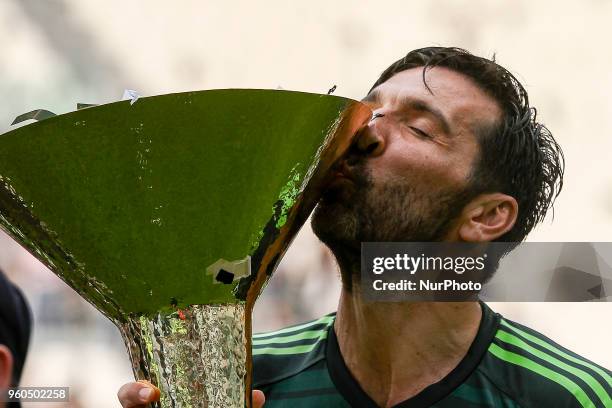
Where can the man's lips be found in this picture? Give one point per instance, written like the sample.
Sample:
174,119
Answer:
342,171
339,178
340,175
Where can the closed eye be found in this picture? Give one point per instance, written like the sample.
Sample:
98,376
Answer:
420,132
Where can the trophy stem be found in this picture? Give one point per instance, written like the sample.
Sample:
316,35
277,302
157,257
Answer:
196,356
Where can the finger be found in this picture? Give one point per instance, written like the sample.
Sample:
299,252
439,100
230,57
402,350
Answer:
137,394
258,399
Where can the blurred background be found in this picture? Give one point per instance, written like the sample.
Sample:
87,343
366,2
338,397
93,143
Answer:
56,53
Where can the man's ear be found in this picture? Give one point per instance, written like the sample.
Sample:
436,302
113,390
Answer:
487,217
6,367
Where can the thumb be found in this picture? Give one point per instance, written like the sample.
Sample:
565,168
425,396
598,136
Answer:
137,394
258,399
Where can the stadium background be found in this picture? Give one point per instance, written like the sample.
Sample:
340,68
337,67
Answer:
56,53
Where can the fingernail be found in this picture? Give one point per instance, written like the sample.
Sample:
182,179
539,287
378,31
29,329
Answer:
145,393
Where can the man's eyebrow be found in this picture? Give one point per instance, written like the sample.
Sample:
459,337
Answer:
422,106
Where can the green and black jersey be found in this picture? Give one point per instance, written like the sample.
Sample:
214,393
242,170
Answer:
508,365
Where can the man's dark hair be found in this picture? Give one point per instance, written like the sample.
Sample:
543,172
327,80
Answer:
518,156
15,325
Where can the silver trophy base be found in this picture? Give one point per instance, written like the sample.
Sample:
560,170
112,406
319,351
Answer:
196,356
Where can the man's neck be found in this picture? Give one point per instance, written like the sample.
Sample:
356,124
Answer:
395,350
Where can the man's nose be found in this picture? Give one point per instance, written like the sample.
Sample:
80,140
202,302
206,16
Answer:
370,141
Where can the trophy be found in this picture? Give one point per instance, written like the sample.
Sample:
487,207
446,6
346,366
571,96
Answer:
169,215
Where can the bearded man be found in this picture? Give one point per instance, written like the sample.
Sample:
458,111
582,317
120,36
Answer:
452,153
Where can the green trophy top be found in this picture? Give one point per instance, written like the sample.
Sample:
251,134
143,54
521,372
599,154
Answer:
139,206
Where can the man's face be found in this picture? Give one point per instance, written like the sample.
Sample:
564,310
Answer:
407,176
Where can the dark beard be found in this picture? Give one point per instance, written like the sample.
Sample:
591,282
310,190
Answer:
391,212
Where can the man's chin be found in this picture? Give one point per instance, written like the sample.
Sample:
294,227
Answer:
334,223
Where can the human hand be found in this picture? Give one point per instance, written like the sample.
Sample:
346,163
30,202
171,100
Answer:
138,394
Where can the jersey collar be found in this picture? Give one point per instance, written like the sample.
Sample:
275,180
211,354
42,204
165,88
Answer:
351,391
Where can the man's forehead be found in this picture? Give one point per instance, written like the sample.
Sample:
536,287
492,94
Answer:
429,82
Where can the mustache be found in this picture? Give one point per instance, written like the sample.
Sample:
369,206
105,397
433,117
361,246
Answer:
359,182
360,175
354,166
355,171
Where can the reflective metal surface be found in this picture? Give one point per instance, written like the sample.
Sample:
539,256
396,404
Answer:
196,356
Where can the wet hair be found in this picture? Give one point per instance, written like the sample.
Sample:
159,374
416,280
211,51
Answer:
518,155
